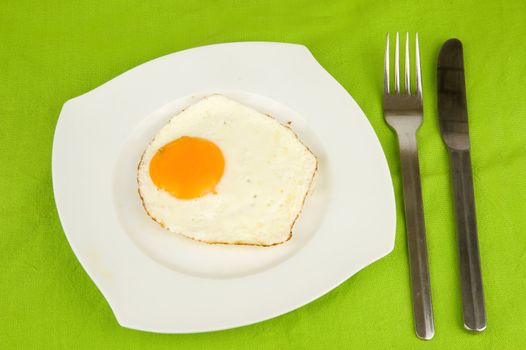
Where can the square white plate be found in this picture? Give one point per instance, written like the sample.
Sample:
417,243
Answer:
158,281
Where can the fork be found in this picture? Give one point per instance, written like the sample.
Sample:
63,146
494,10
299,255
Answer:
403,112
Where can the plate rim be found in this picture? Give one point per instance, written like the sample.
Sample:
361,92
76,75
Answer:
121,317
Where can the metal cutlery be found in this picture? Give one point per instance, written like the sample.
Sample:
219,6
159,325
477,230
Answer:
453,116
403,112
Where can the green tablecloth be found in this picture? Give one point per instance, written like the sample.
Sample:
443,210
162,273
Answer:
51,51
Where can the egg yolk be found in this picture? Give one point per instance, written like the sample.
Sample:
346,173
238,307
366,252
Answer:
189,167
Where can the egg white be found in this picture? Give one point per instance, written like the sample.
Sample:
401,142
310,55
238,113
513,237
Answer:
268,173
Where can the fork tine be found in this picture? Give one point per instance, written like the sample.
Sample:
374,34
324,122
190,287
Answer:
418,69
397,65
407,66
386,67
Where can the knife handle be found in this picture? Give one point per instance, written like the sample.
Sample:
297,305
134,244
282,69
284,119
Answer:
468,248
416,236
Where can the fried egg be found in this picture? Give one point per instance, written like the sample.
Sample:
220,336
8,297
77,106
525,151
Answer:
223,172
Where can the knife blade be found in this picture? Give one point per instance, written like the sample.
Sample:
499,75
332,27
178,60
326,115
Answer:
453,119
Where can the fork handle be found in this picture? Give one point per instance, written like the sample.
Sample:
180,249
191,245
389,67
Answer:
416,236
468,249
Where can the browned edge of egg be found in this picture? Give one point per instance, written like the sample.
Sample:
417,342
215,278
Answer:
141,161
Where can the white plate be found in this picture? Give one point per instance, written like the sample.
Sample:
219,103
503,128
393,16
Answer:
158,281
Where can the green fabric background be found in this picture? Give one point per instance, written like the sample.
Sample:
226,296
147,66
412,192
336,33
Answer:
51,51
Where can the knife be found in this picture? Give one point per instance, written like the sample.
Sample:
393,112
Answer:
453,116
